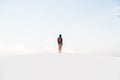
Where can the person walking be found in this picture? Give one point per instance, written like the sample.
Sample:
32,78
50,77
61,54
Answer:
60,43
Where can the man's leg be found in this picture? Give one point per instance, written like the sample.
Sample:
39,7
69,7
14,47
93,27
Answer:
60,48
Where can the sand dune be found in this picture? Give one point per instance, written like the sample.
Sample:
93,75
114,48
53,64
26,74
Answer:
59,67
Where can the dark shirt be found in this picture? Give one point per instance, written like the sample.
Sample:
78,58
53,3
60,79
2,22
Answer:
61,41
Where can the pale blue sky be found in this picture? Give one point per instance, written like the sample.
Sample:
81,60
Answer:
87,26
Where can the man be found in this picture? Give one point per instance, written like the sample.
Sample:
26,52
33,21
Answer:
60,43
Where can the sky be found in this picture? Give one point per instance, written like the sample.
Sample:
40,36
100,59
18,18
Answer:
87,26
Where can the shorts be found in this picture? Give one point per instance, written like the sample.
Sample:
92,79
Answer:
60,46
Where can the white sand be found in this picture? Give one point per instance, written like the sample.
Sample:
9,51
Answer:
59,67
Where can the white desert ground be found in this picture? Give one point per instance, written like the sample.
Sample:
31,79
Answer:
59,67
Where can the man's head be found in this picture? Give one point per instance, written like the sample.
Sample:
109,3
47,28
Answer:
60,35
